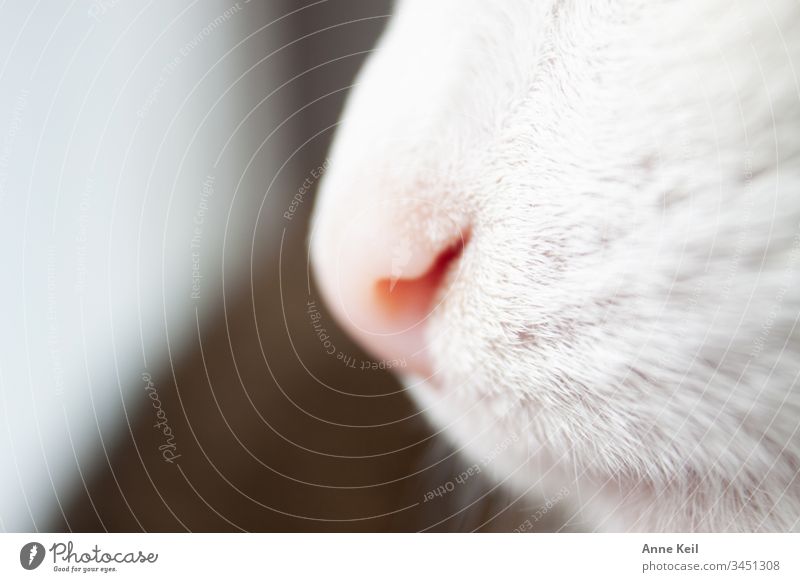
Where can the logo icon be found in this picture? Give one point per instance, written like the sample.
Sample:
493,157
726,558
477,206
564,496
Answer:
31,555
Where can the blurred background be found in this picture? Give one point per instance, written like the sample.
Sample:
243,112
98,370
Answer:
165,359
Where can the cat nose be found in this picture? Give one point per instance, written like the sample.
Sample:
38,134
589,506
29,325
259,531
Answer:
383,269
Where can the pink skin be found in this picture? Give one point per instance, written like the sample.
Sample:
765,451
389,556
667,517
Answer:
383,297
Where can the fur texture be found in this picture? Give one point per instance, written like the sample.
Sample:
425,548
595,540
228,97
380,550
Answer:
626,306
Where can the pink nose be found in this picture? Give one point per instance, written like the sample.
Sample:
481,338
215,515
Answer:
382,270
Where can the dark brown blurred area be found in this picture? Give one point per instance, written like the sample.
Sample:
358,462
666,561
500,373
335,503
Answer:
273,433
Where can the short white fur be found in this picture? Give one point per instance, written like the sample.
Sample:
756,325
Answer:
627,304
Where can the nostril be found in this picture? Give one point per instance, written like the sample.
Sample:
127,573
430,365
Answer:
414,297
385,270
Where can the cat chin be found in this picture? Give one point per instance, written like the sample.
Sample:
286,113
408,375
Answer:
600,484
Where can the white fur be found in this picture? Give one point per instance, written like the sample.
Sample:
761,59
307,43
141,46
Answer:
626,306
